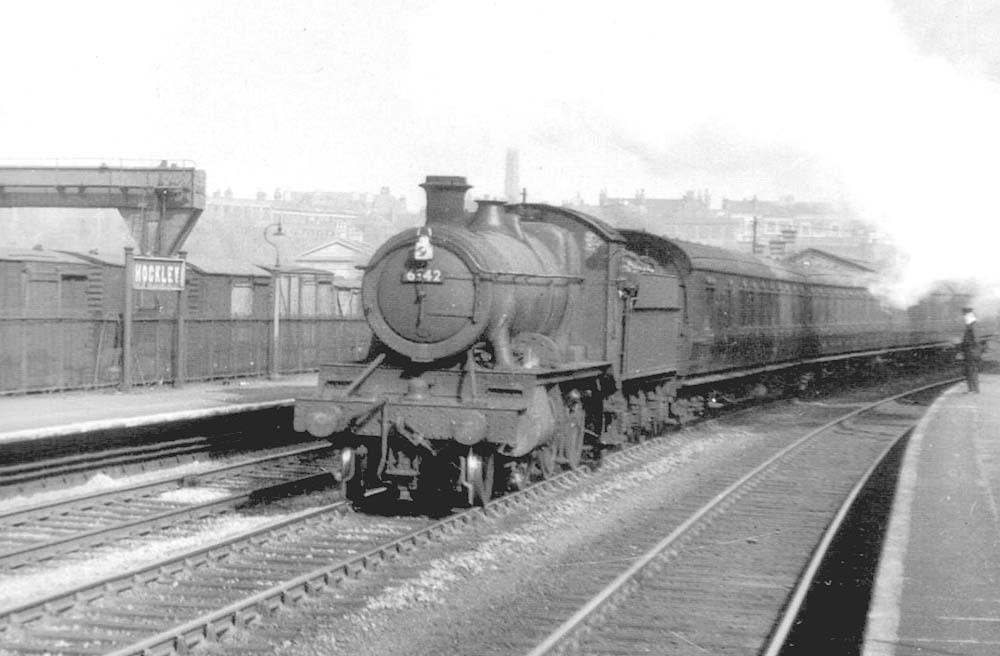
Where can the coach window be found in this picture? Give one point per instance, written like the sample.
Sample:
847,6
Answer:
324,298
727,309
711,307
241,299
349,302
308,297
73,293
195,295
343,302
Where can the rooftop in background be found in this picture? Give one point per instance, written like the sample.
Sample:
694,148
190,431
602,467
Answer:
785,208
36,255
773,228
816,260
339,256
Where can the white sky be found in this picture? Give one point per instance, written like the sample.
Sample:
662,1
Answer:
898,113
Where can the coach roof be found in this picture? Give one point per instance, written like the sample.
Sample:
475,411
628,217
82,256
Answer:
689,256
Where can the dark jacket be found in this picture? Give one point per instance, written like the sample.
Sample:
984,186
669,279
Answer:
970,347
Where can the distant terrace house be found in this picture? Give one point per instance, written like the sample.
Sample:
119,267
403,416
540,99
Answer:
787,226
370,218
235,226
690,218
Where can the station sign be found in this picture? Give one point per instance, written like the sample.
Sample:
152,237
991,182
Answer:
158,274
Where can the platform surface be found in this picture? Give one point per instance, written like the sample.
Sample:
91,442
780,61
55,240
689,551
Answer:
937,588
46,415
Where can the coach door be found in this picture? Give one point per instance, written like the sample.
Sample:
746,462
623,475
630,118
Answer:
652,325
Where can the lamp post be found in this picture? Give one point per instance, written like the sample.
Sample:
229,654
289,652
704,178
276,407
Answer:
273,361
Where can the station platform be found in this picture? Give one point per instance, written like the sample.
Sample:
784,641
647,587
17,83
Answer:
40,416
937,589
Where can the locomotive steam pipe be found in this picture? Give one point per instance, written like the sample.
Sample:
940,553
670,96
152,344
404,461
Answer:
364,374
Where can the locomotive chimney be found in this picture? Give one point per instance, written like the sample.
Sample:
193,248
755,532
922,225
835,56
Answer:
446,199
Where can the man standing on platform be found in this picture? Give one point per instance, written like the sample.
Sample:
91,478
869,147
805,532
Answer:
970,351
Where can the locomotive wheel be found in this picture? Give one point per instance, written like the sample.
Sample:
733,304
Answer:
479,473
545,461
517,474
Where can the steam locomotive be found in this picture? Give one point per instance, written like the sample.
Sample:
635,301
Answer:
507,341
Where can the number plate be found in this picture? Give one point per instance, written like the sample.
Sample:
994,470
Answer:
423,275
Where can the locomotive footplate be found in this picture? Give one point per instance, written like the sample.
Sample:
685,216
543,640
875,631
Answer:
508,408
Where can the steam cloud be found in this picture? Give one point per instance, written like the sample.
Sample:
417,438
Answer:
846,101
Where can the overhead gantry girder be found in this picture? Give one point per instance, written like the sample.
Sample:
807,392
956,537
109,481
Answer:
161,204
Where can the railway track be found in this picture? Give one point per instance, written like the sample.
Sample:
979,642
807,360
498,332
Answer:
732,576
174,605
40,532
129,446
23,477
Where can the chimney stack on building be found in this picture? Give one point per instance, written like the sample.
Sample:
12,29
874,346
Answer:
512,179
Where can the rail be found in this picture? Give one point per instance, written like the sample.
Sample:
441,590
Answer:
92,509
585,621
304,577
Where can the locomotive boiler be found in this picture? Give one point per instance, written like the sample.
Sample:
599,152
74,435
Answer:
506,339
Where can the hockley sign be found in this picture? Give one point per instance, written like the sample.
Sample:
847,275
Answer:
159,274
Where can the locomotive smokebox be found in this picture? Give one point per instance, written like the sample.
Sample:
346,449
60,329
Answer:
446,199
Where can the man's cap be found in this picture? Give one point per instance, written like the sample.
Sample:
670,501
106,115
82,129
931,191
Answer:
966,310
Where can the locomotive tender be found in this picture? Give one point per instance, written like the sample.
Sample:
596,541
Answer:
505,341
